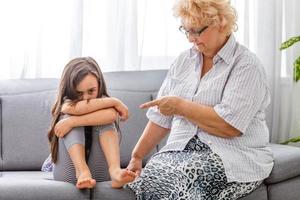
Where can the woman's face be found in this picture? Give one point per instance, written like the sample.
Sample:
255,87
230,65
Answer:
88,88
209,41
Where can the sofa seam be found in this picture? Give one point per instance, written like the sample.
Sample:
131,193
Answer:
281,181
132,90
1,139
21,93
91,196
268,196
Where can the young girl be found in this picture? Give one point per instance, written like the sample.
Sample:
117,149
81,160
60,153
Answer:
83,135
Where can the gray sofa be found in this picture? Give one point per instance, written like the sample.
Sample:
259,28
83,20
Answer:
25,116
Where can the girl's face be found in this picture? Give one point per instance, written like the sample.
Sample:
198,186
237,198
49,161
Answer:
88,88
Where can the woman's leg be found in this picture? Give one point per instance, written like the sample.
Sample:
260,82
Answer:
195,173
71,163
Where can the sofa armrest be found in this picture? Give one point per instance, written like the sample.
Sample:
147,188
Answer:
286,163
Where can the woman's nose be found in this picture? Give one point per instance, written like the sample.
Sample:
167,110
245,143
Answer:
191,38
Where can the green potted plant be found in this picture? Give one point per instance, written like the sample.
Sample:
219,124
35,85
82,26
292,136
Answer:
286,45
296,74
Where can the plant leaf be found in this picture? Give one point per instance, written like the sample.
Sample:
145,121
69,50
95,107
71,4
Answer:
295,139
297,69
290,42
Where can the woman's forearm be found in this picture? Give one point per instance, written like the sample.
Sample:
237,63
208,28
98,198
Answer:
85,107
207,119
99,117
151,136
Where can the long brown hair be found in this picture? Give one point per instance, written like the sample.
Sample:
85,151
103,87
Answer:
73,73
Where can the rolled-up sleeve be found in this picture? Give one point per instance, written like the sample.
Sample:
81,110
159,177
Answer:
153,113
243,96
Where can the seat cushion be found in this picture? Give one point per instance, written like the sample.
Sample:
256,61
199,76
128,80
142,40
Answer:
259,194
104,191
37,185
286,163
287,190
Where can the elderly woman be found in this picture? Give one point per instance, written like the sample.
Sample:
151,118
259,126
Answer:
213,103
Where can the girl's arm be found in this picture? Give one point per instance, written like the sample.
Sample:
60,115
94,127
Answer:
84,107
99,117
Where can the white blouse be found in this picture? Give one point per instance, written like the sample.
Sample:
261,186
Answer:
236,87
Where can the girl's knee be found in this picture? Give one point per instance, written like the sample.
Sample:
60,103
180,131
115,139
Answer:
75,136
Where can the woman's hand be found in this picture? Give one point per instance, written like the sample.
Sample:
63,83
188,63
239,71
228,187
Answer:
167,105
63,127
121,108
135,165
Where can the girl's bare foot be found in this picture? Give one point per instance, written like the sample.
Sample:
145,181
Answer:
120,177
85,180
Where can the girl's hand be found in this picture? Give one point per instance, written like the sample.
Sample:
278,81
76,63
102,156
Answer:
135,165
63,127
121,109
66,107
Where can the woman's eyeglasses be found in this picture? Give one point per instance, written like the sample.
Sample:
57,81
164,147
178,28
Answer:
196,33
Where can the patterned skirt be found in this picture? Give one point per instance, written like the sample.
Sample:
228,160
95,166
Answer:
194,173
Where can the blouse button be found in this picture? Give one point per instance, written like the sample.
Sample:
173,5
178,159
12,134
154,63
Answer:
209,142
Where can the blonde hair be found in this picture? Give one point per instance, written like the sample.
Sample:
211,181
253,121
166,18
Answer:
207,13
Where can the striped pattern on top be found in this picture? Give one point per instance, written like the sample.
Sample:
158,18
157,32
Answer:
236,87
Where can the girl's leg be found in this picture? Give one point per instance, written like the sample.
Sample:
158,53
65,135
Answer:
97,162
71,164
104,159
109,141
83,174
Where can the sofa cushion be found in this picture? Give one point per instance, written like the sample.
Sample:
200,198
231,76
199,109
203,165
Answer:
21,86
147,81
1,160
103,190
25,121
132,129
286,163
287,190
259,194
36,185
134,88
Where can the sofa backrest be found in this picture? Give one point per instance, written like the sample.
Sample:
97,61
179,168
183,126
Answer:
134,88
25,115
25,107
25,118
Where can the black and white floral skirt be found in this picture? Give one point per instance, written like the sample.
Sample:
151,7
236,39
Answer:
194,173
